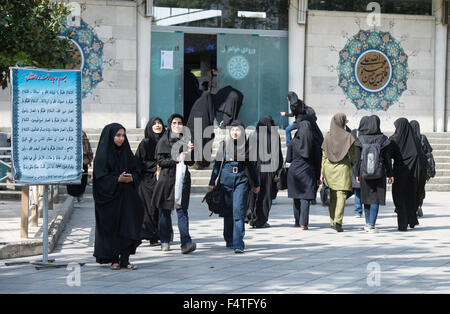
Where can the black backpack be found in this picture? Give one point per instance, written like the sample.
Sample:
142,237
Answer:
371,165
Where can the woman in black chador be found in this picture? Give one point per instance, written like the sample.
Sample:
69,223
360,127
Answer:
305,155
146,155
203,111
409,173
118,209
269,163
228,101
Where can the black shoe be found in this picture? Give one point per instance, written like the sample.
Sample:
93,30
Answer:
338,227
188,248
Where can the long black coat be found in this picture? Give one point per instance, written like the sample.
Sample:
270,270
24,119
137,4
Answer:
146,155
203,110
164,192
374,191
303,172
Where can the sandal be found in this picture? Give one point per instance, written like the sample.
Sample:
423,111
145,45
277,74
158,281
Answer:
131,266
115,266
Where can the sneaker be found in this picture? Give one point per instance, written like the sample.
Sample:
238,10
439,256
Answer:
366,228
372,229
154,243
238,250
188,248
165,247
130,266
115,266
358,215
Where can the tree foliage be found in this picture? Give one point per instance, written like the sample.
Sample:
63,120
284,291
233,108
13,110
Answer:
29,32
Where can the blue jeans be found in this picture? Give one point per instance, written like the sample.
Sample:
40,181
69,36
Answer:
165,225
358,207
371,213
234,231
288,133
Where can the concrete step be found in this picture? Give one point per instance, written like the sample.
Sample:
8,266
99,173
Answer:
441,153
440,180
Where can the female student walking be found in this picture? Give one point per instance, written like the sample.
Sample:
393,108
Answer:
168,153
337,159
269,163
236,172
147,157
373,165
118,209
409,174
305,155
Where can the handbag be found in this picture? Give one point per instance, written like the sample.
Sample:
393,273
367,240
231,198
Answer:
282,178
214,197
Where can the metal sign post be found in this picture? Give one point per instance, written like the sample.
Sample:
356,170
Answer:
46,134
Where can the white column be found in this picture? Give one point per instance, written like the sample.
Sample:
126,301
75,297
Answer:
297,44
440,67
144,33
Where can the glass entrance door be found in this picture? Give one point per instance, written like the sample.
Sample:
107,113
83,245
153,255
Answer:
258,67
166,82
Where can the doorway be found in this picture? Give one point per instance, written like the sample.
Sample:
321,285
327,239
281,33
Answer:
200,56
255,64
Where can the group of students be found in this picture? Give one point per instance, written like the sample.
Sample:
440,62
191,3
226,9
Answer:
135,194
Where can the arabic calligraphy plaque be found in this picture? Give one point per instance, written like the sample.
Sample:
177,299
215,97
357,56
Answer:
373,70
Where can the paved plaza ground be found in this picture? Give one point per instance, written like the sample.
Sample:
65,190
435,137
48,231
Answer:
280,259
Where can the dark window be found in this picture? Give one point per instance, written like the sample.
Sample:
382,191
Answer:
416,7
243,14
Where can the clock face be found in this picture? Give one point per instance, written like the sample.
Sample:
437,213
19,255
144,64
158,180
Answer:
238,67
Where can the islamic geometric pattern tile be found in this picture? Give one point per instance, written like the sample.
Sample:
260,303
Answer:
373,70
88,55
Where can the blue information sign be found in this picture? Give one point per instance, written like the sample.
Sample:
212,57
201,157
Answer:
46,120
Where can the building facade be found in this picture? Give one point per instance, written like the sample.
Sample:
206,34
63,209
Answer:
336,55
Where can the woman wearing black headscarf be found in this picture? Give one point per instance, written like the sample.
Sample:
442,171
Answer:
168,152
429,161
269,163
203,111
305,155
228,101
118,209
409,174
298,109
238,174
373,190
146,155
